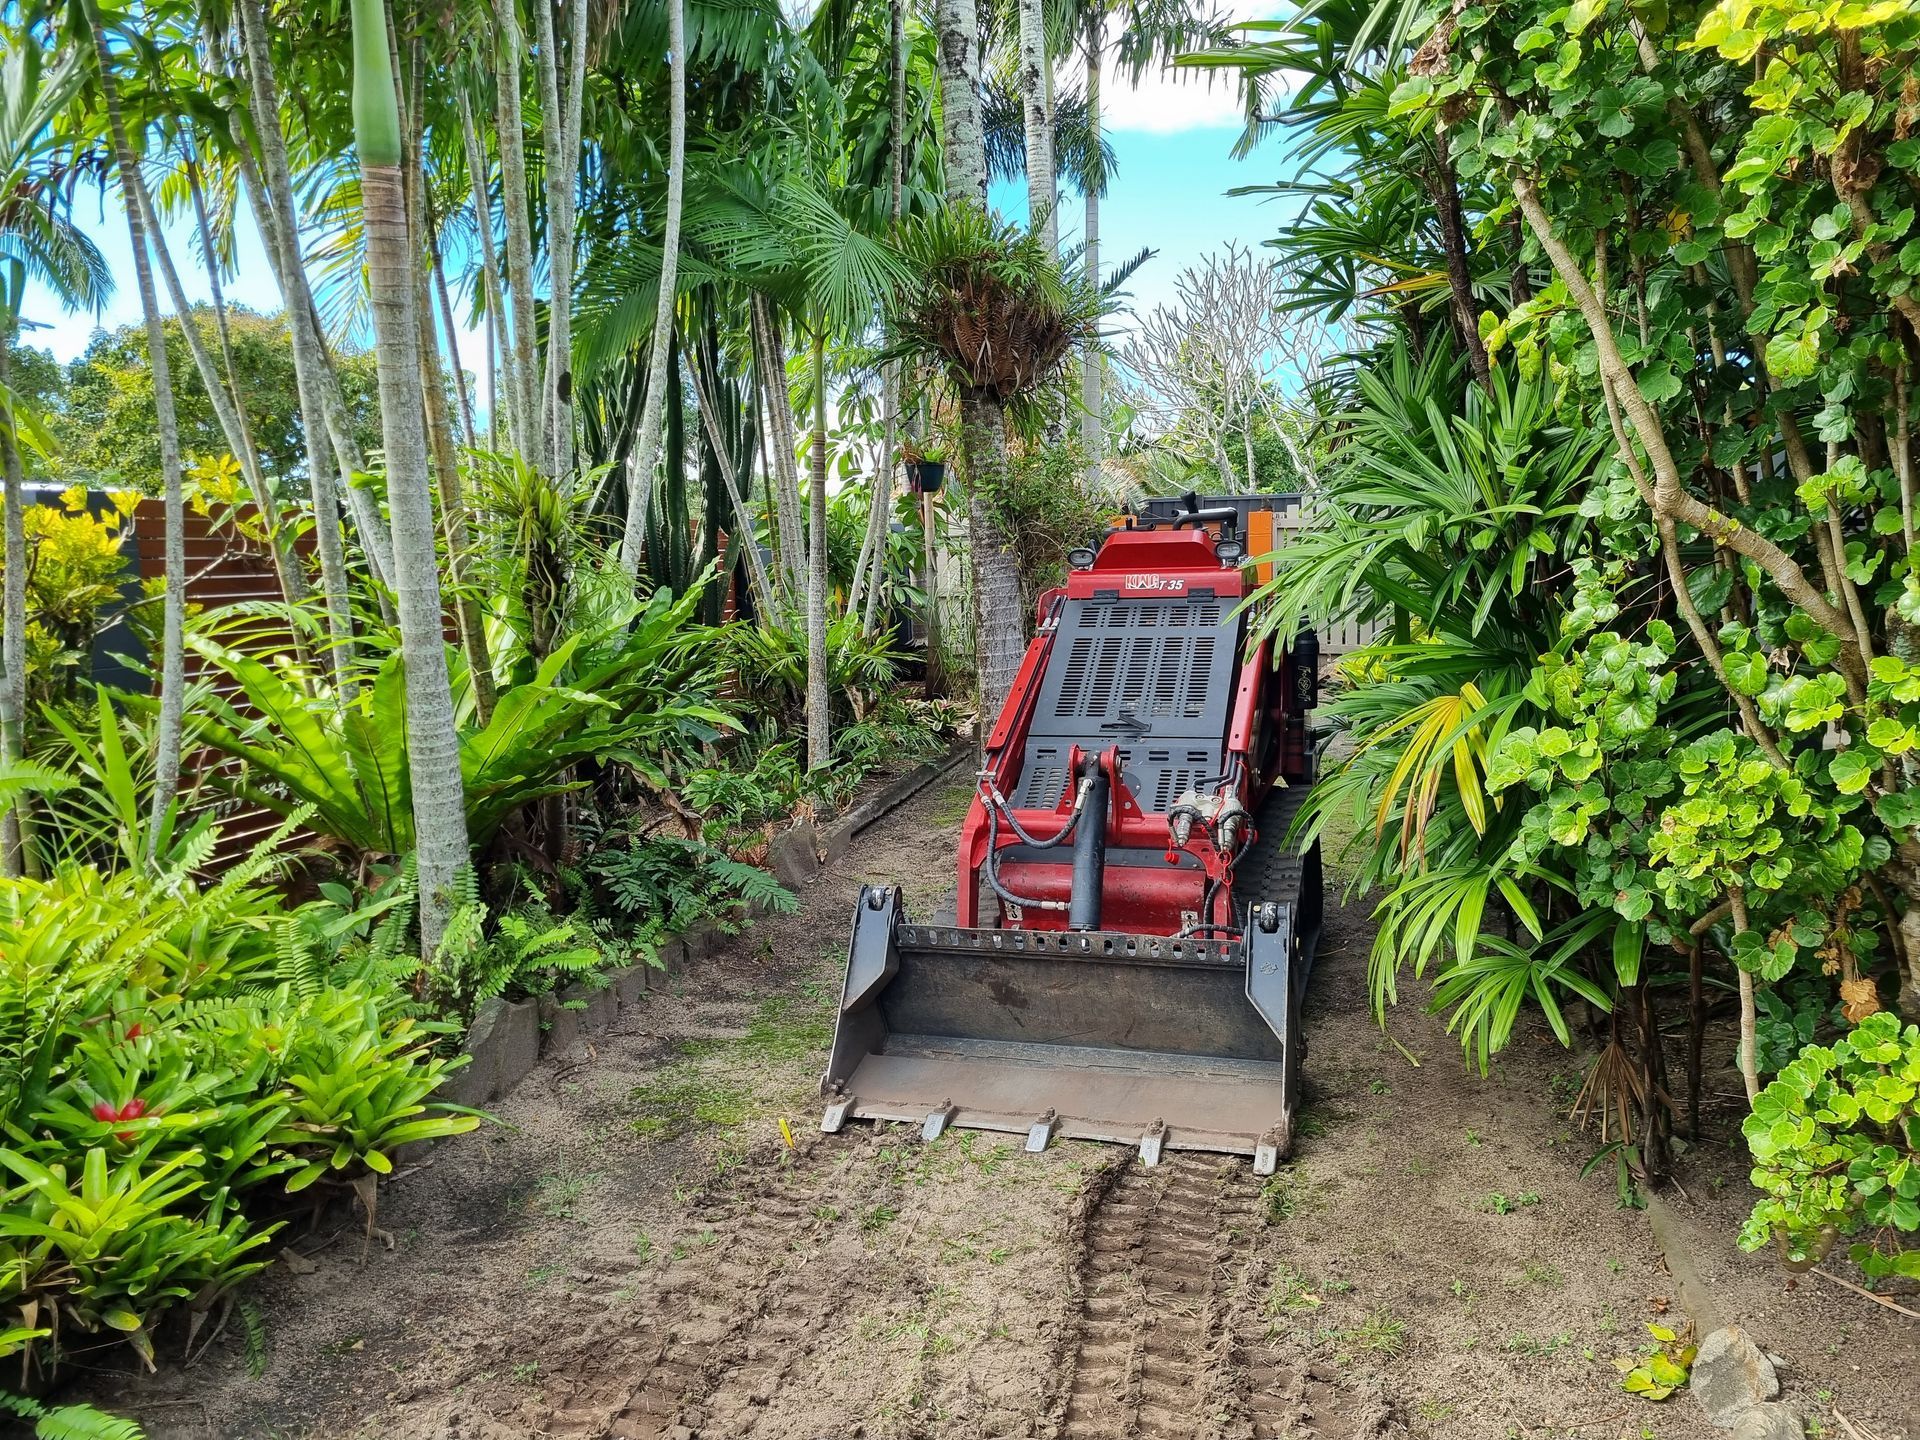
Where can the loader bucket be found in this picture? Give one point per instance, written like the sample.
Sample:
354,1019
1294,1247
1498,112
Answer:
1148,1040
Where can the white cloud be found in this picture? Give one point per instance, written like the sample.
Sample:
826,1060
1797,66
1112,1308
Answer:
1172,101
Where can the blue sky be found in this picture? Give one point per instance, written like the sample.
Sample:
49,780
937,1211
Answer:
1172,140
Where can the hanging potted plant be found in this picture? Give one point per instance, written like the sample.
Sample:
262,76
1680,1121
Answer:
926,469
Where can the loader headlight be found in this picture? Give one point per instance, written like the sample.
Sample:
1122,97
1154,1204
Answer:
1080,559
1230,551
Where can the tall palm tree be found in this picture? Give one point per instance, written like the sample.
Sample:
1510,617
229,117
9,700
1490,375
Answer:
647,448
433,741
1036,108
173,680
39,243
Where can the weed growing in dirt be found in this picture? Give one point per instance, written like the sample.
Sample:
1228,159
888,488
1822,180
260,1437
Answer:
1377,1086
1289,1294
1473,1136
527,1372
556,1194
1416,1166
1381,1333
1311,1125
254,1326
1432,1411
1539,1272
643,1246
1521,1343
1292,1190
681,1098
540,1274
878,1218
1467,1297
1500,1204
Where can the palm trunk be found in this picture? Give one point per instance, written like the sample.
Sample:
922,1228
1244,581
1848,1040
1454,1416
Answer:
783,477
173,681
546,66
513,200
287,564
1093,424
965,150
819,747
14,836
647,449
757,578
453,520
443,301
433,740
313,366
999,613
1036,109
503,379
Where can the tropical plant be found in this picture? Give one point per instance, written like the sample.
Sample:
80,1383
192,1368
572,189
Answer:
1836,1150
991,308
639,680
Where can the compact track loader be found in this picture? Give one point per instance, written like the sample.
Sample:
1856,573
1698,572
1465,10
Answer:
1131,939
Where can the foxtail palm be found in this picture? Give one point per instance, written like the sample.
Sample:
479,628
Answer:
647,448
433,741
173,680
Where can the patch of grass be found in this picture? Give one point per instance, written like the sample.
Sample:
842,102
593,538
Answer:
643,1246
1473,1136
1289,1294
1432,1411
791,1027
557,1193
682,1098
1468,1297
878,1218
540,1274
1377,1086
952,806
1382,1333
1539,1272
1291,1190
1417,1166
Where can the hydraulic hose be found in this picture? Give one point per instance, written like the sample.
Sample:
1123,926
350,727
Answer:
995,802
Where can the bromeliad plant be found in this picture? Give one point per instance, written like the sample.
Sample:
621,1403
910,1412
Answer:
157,1068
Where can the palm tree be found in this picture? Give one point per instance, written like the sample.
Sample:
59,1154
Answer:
1036,109
433,741
990,306
647,450
957,36
173,680
40,243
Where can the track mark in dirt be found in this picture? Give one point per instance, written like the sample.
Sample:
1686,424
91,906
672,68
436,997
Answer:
1150,1303
1170,1337
753,1304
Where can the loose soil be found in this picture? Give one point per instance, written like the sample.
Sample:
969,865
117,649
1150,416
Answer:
638,1250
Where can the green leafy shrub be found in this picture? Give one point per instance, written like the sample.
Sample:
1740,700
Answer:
156,1068
669,884
1836,1147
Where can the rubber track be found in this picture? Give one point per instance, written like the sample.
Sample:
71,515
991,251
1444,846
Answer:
1270,870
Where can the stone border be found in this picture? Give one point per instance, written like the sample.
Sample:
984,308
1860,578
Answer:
507,1040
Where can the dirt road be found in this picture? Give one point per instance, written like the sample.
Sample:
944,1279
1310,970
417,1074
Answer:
638,1252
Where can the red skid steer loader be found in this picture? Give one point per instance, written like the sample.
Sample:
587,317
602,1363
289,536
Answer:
1131,939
